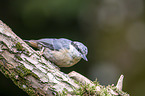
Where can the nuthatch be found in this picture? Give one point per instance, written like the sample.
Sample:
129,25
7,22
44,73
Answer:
62,52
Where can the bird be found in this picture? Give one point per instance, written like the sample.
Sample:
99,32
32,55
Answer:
62,52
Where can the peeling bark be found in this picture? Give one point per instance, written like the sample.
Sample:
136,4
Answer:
36,75
27,69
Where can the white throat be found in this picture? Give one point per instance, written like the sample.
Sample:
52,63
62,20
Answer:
74,51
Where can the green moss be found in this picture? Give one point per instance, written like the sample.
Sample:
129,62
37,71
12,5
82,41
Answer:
30,91
85,90
19,46
80,91
18,57
1,57
63,93
27,52
13,75
96,82
105,92
91,90
21,82
7,74
4,71
24,72
18,81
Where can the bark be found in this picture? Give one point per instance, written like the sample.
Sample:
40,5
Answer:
37,76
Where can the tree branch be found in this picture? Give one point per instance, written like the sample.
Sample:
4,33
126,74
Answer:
38,76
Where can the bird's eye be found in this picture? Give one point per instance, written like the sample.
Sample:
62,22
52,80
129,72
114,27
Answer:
76,46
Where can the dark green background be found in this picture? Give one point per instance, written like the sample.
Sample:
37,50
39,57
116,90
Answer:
113,31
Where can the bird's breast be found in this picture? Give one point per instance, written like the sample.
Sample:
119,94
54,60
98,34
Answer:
62,58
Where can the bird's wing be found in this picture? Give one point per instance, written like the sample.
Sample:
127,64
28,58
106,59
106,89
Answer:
46,43
65,43
55,44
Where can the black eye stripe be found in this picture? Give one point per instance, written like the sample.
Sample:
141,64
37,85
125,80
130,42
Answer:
76,46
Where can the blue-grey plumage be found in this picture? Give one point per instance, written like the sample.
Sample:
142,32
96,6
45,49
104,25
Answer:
63,52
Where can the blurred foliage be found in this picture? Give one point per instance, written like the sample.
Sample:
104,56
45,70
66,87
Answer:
113,30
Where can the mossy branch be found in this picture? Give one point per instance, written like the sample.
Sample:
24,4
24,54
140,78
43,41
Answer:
37,76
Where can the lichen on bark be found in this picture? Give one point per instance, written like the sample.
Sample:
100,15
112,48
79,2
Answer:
37,76
27,69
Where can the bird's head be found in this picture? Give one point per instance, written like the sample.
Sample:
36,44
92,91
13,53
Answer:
81,49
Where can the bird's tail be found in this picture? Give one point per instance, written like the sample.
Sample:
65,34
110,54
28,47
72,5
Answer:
32,43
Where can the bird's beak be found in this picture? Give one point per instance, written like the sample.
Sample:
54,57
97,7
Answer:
84,57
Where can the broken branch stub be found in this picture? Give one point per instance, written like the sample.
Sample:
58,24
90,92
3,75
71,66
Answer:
37,76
